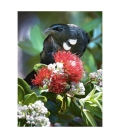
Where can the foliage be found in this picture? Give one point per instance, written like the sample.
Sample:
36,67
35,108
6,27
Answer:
65,107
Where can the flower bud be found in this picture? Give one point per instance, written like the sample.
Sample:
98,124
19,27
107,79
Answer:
59,65
93,75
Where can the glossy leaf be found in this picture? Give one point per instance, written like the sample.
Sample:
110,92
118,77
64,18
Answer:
64,104
76,108
89,117
26,46
65,118
32,98
52,107
89,62
68,102
98,103
90,95
82,102
97,95
36,90
24,85
93,108
36,38
60,98
21,94
89,26
38,66
53,118
48,114
42,98
49,95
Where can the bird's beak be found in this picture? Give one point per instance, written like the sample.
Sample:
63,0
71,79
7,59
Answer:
49,30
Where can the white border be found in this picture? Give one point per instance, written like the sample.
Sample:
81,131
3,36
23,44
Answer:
111,68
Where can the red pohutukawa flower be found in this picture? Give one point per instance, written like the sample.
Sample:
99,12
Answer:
60,76
72,65
58,83
43,75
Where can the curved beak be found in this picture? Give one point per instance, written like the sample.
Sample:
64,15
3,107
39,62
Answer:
49,30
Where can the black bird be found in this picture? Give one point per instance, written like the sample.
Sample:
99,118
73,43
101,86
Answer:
68,37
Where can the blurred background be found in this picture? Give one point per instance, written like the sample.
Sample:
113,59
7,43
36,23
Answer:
31,26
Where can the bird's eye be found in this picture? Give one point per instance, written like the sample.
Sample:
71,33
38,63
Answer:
59,29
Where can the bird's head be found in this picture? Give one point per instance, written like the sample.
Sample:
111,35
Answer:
60,32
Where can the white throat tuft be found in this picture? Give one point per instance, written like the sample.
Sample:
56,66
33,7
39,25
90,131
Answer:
72,41
66,47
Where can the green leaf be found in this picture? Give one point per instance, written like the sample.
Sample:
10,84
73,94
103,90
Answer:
68,101
48,114
89,62
76,108
33,46
89,117
93,108
60,98
26,96
49,95
36,38
65,118
26,46
52,108
42,98
53,118
97,95
36,90
98,103
82,102
24,85
33,60
90,95
39,66
64,104
31,98
21,94
92,24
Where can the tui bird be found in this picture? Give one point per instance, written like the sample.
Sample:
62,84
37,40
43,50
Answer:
68,37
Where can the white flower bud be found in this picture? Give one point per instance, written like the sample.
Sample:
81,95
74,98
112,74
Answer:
19,116
30,107
28,122
19,107
24,108
19,112
51,66
81,85
100,84
59,65
99,72
81,93
36,116
33,123
23,115
31,118
33,106
28,118
93,75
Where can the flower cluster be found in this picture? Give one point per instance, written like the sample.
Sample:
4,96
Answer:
77,88
34,114
96,77
65,72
